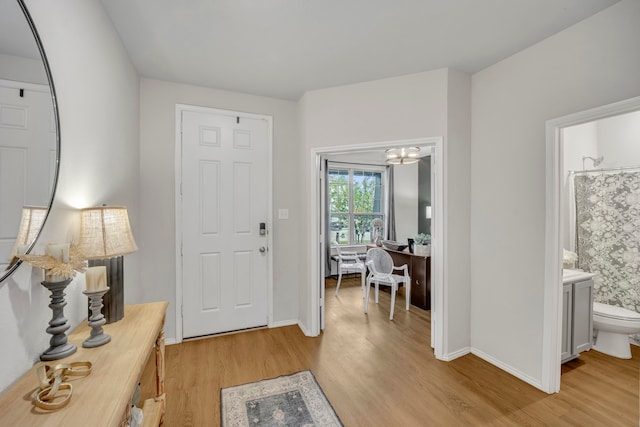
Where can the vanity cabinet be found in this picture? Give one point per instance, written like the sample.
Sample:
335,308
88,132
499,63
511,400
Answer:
577,318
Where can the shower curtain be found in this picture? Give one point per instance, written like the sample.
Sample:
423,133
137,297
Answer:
608,235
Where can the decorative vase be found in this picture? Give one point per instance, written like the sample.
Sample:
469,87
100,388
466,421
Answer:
377,236
422,250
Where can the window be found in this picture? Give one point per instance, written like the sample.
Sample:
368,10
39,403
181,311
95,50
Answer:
355,198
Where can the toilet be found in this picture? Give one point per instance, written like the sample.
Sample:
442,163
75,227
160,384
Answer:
614,325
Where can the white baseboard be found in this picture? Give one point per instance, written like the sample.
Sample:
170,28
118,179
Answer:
458,353
304,329
170,341
281,323
508,368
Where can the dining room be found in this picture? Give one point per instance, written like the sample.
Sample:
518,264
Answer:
379,199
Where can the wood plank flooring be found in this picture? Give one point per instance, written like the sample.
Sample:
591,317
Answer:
378,372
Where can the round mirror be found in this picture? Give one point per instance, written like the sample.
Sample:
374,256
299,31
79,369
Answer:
29,135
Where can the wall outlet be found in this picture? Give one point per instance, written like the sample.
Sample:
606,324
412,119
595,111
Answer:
283,213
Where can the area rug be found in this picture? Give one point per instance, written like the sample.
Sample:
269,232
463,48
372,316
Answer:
290,400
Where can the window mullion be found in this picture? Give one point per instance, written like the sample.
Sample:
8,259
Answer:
352,229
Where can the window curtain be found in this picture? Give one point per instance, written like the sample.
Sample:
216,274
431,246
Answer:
327,215
390,225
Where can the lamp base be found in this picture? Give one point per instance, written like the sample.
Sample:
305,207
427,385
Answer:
58,352
58,325
113,300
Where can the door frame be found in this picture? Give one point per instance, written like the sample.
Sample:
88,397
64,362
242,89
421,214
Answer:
552,334
178,203
317,253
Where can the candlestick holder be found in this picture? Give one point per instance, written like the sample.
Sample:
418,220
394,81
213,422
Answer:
98,337
58,325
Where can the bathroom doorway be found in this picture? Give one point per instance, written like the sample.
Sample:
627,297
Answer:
572,144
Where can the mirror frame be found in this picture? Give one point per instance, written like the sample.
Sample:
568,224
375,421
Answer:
7,273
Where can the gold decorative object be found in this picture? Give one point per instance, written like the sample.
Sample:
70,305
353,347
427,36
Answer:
53,393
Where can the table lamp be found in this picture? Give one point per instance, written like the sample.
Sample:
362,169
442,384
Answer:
30,224
105,236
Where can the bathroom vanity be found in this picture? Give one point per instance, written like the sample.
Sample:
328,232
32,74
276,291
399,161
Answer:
577,313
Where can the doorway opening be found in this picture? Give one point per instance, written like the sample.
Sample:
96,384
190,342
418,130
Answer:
556,229
318,251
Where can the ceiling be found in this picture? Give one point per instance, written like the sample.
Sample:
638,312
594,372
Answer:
282,48
15,34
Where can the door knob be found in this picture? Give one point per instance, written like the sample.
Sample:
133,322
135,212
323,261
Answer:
263,249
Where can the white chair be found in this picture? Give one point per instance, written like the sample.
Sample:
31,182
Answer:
350,262
381,269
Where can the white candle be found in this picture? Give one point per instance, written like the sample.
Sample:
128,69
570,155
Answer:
60,251
96,278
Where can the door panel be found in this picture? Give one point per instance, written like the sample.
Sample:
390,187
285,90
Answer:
224,199
27,172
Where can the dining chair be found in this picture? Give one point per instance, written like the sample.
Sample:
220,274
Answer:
350,262
381,270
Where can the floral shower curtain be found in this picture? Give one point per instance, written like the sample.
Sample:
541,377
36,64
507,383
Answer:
608,235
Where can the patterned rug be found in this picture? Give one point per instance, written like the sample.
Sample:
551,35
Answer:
291,400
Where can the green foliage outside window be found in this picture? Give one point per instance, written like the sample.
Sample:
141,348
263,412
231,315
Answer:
355,198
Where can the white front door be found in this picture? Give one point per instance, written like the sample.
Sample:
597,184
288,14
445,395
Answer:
225,190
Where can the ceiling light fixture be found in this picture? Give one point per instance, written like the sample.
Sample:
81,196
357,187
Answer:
402,156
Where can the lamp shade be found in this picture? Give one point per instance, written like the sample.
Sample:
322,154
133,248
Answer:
30,224
105,232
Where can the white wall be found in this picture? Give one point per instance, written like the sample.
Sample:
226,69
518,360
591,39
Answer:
22,69
157,238
97,89
578,141
407,107
405,179
457,221
593,63
619,140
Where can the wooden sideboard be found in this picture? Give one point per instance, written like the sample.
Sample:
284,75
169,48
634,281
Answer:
420,272
102,398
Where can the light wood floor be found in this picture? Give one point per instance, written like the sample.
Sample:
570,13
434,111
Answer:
378,372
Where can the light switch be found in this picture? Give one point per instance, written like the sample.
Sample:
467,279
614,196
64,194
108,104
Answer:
283,213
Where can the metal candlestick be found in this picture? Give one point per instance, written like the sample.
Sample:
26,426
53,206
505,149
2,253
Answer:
58,325
98,337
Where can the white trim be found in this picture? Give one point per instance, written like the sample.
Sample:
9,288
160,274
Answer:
177,178
508,368
178,204
438,237
439,285
170,341
304,330
552,334
456,354
281,323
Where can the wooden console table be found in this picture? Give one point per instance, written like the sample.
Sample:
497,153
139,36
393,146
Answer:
420,272
102,398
